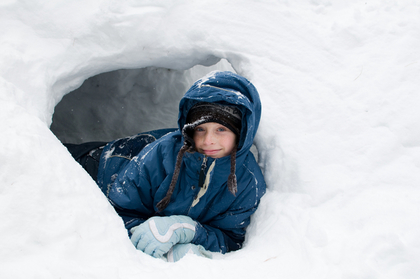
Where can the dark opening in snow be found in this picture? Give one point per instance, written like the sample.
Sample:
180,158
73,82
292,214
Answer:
125,102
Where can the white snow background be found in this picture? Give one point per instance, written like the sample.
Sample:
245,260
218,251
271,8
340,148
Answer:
339,140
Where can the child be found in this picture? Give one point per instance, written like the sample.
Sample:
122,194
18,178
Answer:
190,190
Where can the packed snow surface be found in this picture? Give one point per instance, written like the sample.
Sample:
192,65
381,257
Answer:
339,140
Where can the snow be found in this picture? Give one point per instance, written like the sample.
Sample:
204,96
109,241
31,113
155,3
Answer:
339,139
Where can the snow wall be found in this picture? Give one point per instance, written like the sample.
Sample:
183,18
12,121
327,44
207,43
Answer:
339,140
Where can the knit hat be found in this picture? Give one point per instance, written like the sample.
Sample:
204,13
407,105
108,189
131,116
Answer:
228,116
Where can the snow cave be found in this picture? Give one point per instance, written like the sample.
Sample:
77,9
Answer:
125,102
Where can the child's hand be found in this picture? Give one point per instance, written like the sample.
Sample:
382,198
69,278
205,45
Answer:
178,251
157,235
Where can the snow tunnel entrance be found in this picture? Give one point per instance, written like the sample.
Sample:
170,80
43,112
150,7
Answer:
125,102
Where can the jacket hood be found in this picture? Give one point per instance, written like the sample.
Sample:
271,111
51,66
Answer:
226,88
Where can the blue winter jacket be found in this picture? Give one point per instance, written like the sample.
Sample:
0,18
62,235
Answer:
135,179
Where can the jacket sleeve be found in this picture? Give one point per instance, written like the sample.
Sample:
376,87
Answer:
222,238
132,192
226,231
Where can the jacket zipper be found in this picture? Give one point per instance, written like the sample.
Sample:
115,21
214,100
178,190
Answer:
202,172
201,180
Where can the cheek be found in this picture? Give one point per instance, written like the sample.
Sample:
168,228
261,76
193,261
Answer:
197,139
229,142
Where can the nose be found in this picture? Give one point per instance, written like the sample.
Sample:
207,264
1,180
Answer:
208,138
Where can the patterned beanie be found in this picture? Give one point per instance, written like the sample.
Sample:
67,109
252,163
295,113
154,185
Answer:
228,116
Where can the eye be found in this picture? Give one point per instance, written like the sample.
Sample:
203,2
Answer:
198,129
221,129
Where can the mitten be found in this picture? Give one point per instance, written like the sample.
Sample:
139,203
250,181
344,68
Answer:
178,251
157,235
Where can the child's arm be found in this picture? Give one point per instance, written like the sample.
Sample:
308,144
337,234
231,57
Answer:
226,232
131,194
223,239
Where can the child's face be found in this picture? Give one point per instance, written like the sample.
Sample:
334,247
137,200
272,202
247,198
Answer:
214,140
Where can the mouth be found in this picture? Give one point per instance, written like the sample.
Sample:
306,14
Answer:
211,152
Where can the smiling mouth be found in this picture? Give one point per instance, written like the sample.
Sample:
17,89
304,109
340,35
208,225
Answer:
211,152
